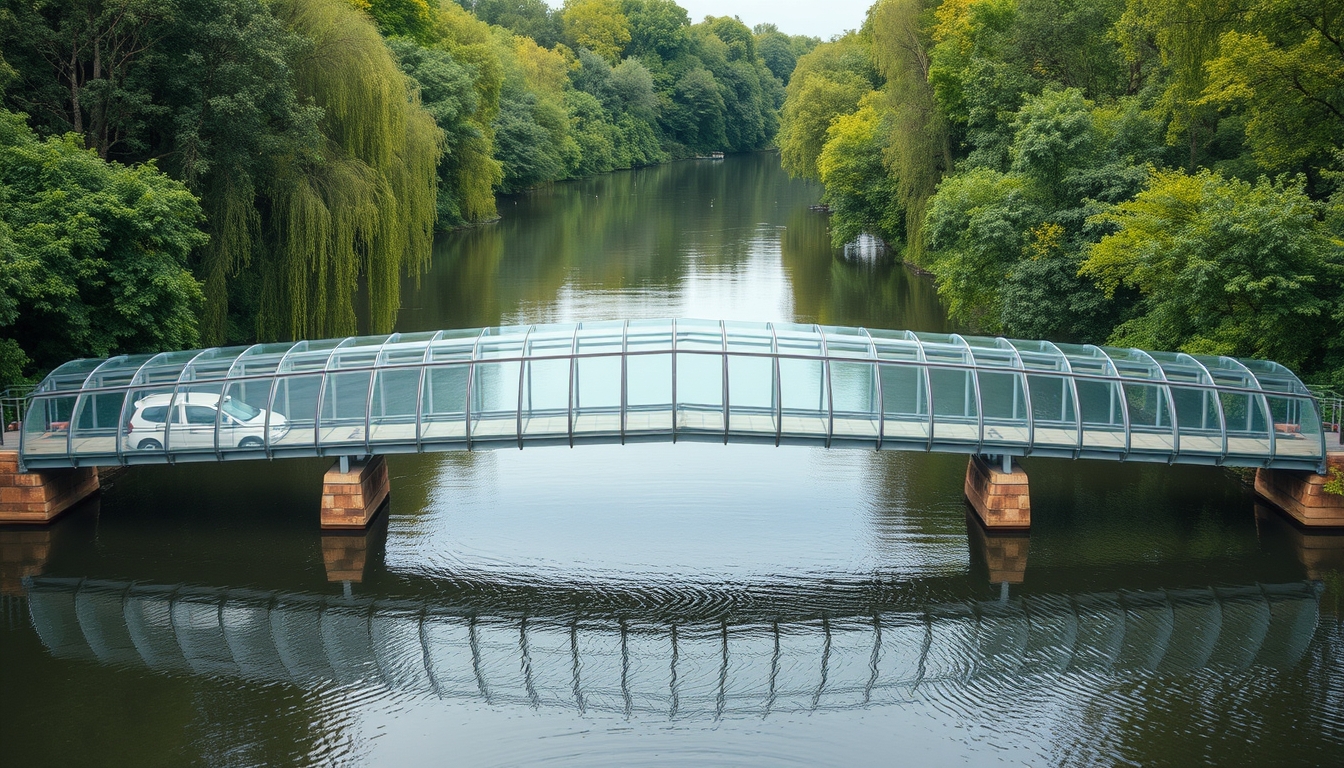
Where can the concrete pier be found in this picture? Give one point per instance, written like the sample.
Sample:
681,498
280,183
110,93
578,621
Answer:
38,497
1302,496
1002,500
351,498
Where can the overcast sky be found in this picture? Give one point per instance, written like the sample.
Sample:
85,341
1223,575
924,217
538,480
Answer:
820,18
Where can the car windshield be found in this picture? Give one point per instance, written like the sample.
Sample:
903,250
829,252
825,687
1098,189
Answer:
240,410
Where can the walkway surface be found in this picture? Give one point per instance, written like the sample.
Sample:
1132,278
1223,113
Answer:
671,380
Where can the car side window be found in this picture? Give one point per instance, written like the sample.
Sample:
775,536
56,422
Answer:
200,415
155,414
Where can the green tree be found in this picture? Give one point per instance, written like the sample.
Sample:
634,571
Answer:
859,191
826,83
1286,71
598,25
1224,267
93,254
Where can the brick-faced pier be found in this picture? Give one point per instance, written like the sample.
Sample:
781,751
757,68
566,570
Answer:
350,499
1002,500
1302,495
38,497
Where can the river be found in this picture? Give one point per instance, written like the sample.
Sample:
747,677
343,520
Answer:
670,604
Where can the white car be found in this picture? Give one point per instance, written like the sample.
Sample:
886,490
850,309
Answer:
191,425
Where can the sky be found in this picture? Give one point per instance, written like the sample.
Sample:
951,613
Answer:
819,18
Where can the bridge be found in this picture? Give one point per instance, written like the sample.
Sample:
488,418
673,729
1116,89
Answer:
751,664
672,380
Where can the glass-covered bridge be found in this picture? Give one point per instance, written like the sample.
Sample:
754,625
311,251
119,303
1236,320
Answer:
670,380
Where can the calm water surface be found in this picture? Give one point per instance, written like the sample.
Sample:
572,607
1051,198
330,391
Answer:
660,604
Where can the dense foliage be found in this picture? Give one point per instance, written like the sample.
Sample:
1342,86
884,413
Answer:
1160,173
313,146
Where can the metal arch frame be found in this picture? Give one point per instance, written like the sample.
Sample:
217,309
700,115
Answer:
471,379
322,391
522,370
625,382
1077,404
777,386
177,390
275,376
1171,408
1119,383
573,372
674,381
723,332
877,378
227,380
1218,401
74,415
923,361
974,375
830,391
373,378
168,418
1026,394
420,392
1264,403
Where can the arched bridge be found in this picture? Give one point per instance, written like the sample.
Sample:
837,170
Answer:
670,380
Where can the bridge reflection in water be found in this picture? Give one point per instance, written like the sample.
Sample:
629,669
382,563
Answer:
647,664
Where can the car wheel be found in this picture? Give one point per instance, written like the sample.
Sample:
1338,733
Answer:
150,445
250,442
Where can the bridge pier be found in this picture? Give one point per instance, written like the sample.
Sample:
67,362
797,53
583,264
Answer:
1301,495
38,497
353,491
1001,499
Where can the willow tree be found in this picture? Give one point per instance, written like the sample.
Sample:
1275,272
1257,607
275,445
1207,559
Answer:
919,151
364,203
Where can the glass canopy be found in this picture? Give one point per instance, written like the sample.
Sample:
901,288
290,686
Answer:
670,380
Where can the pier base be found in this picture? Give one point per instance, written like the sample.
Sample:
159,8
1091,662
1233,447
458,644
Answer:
351,498
1302,494
37,497
1001,500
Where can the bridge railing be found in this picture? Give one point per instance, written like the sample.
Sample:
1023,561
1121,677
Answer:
14,402
673,380
1332,408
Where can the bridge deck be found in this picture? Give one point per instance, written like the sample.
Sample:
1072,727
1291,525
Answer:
670,380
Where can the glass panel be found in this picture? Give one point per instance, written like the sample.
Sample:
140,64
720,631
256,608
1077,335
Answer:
546,385
699,377
597,383
1247,424
1197,419
212,364
1099,406
392,410
149,412
1003,398
648,395
954,405
751,380
443,402
855,403
261,360
344,407
295,403
1297,427
802,383
1052,410
494,400
904,405
245,404
46,425
200,407
1149,418
68,376
96,426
